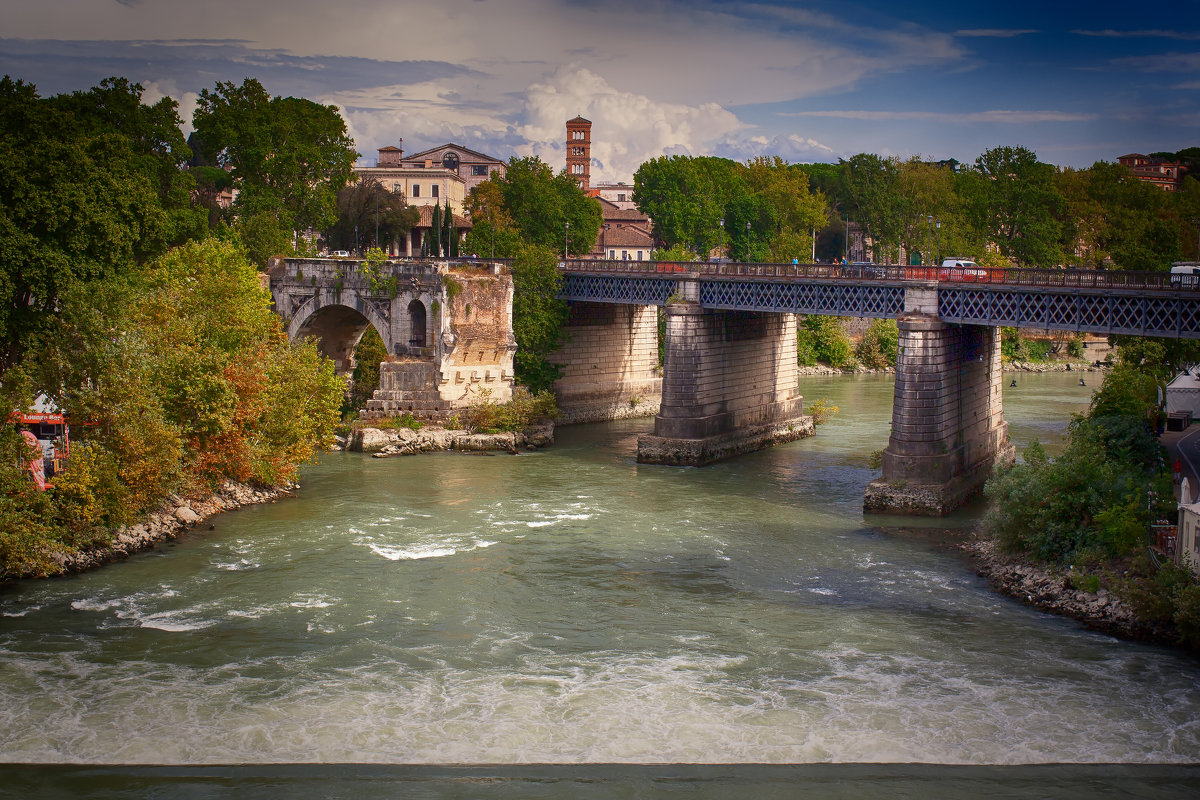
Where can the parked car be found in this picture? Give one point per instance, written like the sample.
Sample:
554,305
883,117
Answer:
341,253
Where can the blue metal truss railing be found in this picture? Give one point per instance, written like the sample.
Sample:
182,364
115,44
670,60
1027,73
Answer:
1175,315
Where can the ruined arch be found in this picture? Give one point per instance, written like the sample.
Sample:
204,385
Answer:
337,329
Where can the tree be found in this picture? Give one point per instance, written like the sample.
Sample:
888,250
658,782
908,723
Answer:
542,203
870,195
88,192
287,155
366,206
492,229
538,315
1018,205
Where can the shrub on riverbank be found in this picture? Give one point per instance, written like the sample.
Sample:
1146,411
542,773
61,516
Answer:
1088,511
525,409
174,383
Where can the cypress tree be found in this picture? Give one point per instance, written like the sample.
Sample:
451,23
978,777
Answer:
436,230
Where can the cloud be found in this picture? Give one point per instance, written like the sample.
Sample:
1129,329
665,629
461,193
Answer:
628,128
997,33
1163,62
997,116
1142,34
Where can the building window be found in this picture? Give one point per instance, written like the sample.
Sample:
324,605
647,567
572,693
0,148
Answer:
639,254
612,254
479,169
433,190
620,198
577,169
416,190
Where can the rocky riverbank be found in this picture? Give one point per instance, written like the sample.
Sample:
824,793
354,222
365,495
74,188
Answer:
1031,584
383,443
176,516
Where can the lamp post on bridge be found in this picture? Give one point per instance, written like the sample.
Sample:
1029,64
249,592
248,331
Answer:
747,241
937,224
721,246
566,237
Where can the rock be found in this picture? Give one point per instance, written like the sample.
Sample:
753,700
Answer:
186,515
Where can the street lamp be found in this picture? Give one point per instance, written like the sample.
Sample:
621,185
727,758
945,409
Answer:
721,249
747,242
937,224
604,240
566,237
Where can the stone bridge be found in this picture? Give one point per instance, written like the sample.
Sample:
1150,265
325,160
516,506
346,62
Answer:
729,380
447,326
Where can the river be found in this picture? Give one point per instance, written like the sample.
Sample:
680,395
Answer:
473,621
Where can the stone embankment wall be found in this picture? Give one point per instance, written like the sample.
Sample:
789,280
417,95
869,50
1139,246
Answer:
609,359
176,516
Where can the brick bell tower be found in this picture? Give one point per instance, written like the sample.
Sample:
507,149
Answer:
579,151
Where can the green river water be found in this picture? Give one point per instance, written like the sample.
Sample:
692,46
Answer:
568,623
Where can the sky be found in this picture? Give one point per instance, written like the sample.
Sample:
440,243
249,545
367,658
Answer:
806,81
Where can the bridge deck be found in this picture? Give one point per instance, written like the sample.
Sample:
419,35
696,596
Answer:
1096,301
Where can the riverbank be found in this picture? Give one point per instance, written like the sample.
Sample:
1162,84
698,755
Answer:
1008,366
173,518
1036,586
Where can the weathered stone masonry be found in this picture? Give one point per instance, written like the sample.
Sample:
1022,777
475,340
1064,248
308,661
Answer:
447,327
729,386
609,359
948,427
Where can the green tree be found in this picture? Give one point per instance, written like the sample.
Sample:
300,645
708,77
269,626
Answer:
493,230
1016,203
88,192
869,194
538,315
286,155
361,207
542,203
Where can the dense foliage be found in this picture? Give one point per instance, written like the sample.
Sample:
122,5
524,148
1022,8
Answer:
538,316
1089,509
287,157
758,211
1006,207
162,349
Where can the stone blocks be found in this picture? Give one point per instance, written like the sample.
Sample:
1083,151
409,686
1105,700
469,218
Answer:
729,386
948,427
609,360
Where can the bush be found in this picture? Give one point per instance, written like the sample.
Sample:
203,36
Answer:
526,408
821,410
880,345
826,340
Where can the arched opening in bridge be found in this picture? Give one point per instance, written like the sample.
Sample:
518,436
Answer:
416,313
338,330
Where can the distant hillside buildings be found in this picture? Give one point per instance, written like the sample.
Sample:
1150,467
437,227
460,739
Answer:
1166,175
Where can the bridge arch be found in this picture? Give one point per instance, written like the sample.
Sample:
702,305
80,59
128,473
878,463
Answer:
337,328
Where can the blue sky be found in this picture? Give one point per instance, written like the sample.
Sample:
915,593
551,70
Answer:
808,81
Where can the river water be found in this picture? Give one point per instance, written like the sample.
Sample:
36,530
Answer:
569,607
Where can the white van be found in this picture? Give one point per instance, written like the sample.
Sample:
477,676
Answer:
1186,274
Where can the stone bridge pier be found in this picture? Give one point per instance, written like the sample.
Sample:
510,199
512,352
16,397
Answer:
730,385
948,428
609,359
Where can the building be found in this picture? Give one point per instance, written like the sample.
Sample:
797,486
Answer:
619,194
1166,175
579,151
625,234
440,175
1186,544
